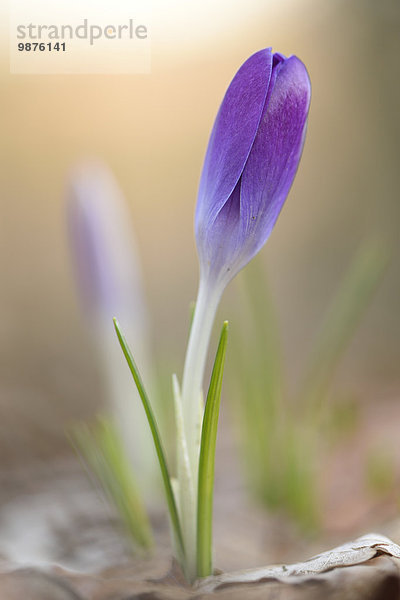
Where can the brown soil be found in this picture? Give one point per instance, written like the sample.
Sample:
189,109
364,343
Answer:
51,514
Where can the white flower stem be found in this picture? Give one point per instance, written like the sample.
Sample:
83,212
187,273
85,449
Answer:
192,383
206,306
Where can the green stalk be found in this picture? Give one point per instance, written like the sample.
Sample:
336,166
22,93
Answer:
207,461
157,442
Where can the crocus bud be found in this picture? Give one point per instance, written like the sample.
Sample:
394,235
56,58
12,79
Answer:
103,246
251,160
109,282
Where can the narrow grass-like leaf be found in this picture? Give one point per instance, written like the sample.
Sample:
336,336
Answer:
102,451
122,484
192,308
207,461
157,440
265,339
256,373
350,301
185,486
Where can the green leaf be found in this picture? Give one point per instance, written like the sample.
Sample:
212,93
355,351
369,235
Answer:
192,308
342,318
207,461
157,441
102,451
265,351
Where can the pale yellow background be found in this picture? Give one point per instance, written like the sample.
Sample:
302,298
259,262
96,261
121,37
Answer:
152,130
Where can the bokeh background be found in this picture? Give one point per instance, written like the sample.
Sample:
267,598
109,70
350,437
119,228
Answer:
152,131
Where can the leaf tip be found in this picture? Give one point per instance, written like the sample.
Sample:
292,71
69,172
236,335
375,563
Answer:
116,325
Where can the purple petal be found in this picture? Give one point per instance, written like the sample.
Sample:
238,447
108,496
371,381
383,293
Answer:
230,230
102,243
275,155
233,134
220,243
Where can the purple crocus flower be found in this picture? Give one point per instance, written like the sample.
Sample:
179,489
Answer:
102,244
251,160
109,283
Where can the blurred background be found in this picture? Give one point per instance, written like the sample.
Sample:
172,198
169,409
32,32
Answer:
152,131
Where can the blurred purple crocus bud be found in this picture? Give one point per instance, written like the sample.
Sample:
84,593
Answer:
251,160
102,242
109,284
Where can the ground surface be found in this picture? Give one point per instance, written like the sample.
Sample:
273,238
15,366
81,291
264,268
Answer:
51,514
